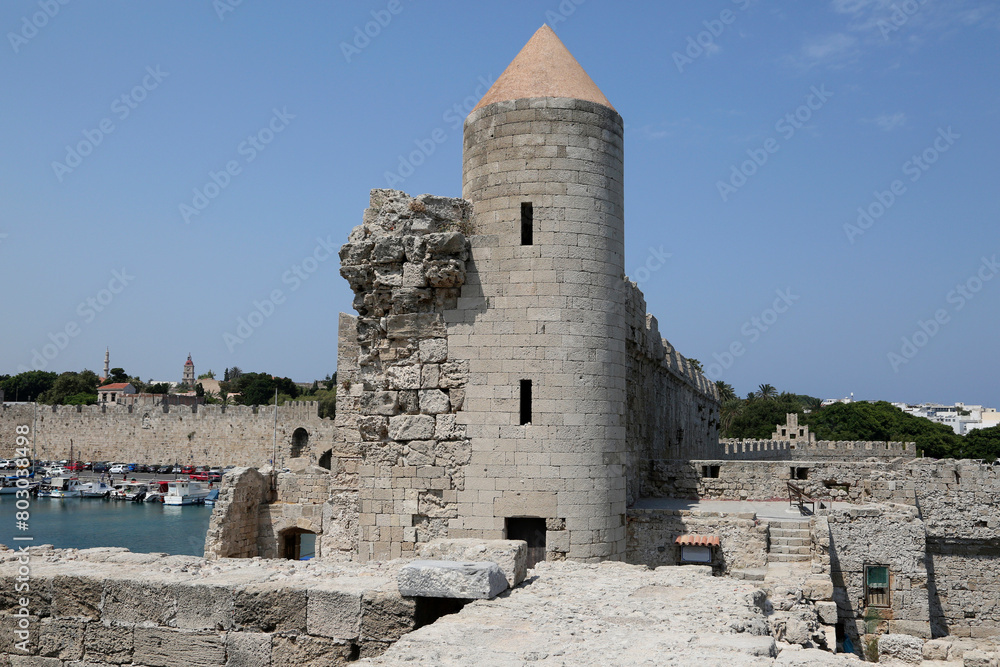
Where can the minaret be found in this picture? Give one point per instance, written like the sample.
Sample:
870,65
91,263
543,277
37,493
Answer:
107,363
545,404
189,379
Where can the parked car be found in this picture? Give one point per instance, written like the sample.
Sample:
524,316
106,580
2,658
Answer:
100,466
6,463
187,470
119,469
153,468
75,466
57,471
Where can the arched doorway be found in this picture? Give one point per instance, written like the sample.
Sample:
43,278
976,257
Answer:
300,440
298,544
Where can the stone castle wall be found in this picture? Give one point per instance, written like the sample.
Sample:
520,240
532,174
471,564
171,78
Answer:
732,448
197,435
406,264
672,409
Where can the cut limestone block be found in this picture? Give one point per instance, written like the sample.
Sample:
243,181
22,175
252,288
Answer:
510,555
451,579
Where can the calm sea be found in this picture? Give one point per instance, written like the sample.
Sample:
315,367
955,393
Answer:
81,523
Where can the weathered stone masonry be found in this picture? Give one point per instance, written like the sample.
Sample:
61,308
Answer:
200,435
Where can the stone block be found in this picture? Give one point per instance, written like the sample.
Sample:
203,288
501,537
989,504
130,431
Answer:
403,377
298,650
133,602
433,350
379,403
334,613
111,644
411,427
977,658
201,607
165,647
510,555
901,647
61,638
76,596
373,428
415,325
33,661
827,612
434,401
386,616
430,376
937,649
271,608
248,649
451,579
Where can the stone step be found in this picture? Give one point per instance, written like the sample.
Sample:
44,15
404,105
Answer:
792,541
789,532
782,549
749,574
788,558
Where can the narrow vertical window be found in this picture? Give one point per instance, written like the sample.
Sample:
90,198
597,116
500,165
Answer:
527,223
525,402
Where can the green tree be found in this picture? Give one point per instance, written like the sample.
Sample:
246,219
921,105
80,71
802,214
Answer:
158,388
27,386
883,421
330,381
71,384
210,375
696,364
199,390
766,392
983,443
116,375
726,391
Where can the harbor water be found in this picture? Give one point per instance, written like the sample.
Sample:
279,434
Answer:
82,523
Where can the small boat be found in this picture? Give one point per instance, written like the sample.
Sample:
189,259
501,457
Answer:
61,487
185,492
95,489
8,485
212,497
130,490
157,489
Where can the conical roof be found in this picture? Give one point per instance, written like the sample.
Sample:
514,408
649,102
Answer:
544,68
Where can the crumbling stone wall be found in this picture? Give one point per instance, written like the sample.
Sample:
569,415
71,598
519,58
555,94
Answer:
651,535
200,435
109,606
889,535
406,265
233,529
672,409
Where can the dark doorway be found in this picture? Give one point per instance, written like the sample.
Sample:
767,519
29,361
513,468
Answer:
326,460
532,531
300,438
298,544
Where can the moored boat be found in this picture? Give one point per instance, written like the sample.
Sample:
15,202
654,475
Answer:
61,487
131,490
212,497
97,489
185,492
8,485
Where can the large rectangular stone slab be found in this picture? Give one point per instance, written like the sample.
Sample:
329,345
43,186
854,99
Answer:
451,579
510,555
164,647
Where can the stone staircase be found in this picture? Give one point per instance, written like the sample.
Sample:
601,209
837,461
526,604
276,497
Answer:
790,541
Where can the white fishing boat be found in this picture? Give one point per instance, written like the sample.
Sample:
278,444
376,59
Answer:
8,485
130,490
95,489
157,489
61,487
185,492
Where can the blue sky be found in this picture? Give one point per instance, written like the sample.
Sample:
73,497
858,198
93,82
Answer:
755,131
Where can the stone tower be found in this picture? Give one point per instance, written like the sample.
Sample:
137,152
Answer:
107,363
189,379
541,319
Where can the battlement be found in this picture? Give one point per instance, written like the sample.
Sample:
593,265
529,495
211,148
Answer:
778,450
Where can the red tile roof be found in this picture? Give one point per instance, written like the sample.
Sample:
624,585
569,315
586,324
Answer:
698,540
113,387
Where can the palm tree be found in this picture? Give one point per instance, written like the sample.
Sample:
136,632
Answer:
726,391
766,392
731,409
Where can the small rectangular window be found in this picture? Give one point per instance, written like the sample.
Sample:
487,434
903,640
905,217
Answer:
527,223
710,471
525,402
876,585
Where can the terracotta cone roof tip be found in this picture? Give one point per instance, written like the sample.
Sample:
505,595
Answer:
544,68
